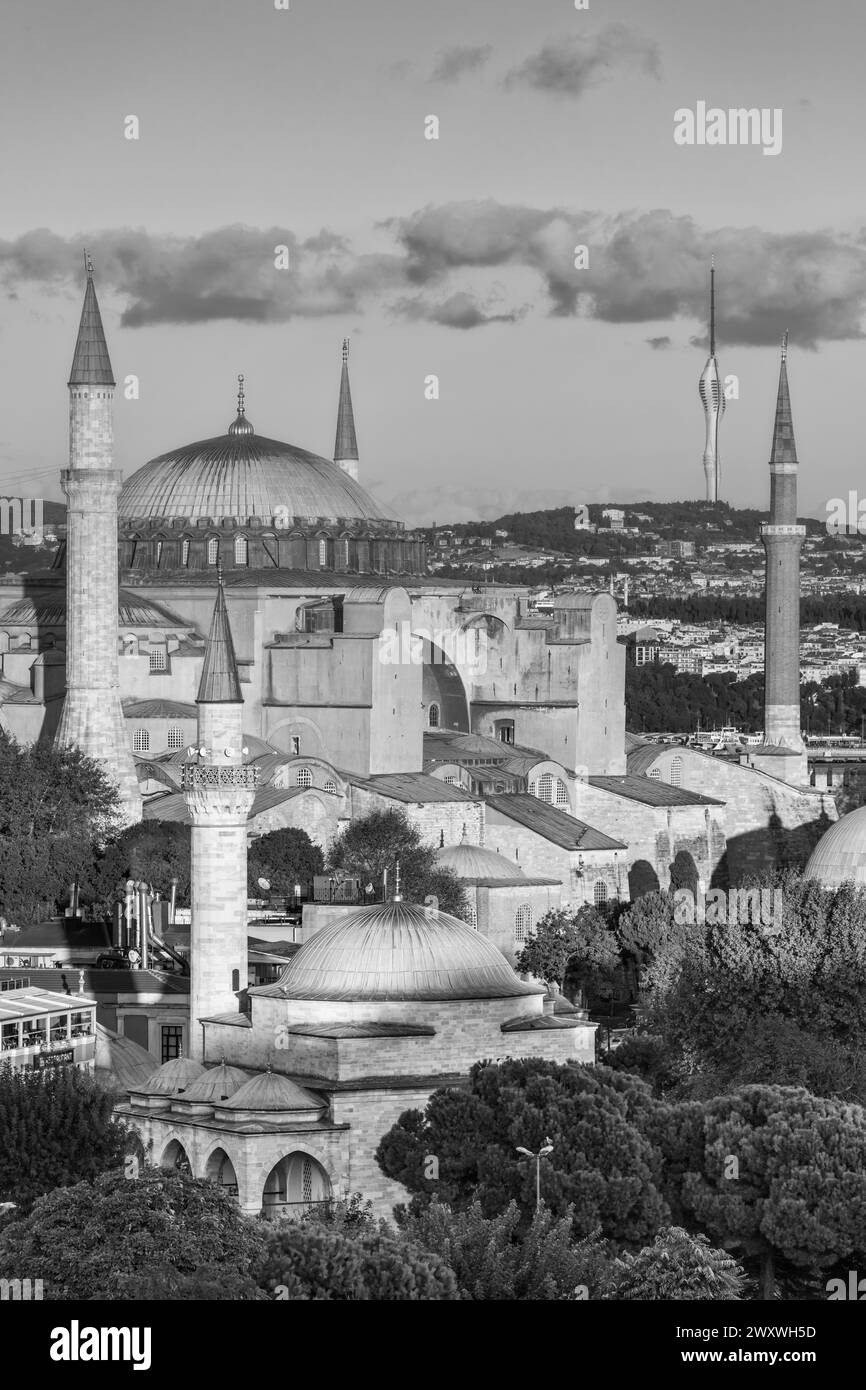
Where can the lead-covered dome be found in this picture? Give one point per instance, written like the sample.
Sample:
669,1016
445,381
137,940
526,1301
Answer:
475,864
399,951
840,855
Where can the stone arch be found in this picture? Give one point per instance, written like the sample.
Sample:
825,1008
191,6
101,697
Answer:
295,1183
442,685
219,1168
175,1157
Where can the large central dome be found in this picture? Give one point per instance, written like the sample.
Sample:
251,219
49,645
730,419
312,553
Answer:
241,475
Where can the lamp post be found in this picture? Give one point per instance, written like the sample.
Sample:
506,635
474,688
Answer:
545,1149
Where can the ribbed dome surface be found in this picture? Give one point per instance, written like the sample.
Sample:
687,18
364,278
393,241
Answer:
174,1076
474,861
840,854
216,1084
397,951
236,476
271,1091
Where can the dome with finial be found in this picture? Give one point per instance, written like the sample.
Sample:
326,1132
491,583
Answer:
475,864
240,425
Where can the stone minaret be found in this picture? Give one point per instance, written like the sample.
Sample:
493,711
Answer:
713,396
783,753
219,792
92,718
346,444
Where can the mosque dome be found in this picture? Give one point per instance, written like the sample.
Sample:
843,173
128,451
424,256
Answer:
270,1091
173,1077
216,1084
399,951
474,863
840,855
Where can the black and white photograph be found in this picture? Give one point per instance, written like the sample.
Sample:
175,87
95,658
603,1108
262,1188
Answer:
433,672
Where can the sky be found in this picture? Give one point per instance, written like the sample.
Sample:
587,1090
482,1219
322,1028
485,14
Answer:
305,128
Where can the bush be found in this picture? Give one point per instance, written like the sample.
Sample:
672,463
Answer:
314,1262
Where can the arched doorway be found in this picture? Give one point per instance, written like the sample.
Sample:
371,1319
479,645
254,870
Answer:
175,1158
221,1170
293,1186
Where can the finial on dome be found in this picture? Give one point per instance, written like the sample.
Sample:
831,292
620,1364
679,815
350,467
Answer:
240,425
240,394
398,896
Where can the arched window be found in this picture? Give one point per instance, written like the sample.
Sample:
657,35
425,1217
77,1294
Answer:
599,893
158,552
522,922
330,788
175,738
141,741
545,788
242,550
343,554
158,659
130,645
677,772
184,552
561,793
655,774
433,717
304,777
470,917
450,780
323,552
213,550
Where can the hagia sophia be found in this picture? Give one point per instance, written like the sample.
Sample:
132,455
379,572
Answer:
214,634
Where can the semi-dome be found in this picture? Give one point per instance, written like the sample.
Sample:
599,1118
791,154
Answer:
840,854
475,864
399,951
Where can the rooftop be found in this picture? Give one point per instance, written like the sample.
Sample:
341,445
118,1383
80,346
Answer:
553,824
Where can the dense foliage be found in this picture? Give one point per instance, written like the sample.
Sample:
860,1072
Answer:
577,944
283,858
312,1261
676,1266
152,852
377,842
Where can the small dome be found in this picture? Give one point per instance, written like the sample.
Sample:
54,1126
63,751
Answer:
472,862
840,854
272,1091
173,1077
399,951
121,1062
216,1084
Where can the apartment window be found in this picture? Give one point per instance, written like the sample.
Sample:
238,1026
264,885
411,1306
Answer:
242,550
600,893
184,553
304,777
175,738
172,1039
59,1027
433,717
545,788
141,741
158,659
213,550
330,788
677,772
522,923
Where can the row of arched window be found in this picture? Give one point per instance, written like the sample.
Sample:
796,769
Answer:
551,789
242,551
676,772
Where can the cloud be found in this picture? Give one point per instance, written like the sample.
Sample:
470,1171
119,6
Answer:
454,62
569,66
657,343
459,310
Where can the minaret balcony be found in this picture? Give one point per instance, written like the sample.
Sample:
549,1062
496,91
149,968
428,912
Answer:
771,529
199,776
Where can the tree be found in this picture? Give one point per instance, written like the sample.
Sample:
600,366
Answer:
676,1266
121,1238
648,1056
54,805
493,1259
578,944
315,1262
650,934
284,858
780,1174
153,852
375,843
56,1130
602,1163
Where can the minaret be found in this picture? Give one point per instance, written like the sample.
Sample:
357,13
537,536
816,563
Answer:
219,792
92,718
713,396
782,753
346,443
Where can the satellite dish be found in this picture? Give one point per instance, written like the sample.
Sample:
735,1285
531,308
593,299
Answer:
134,956
263,883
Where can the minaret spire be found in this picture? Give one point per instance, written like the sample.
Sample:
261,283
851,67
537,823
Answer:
220,682
346,443
91,365
712,395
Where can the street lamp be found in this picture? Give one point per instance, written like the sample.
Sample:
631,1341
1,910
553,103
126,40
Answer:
546,1149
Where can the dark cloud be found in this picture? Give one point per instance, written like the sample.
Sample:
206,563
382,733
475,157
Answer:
454,62
459,310
567,67
657,343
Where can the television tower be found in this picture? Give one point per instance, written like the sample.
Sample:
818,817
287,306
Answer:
713,397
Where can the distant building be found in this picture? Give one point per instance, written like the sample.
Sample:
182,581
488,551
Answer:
41,1029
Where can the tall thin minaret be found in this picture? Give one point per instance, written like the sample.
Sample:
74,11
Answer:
346,443
713,396
92,718
782,539
219,792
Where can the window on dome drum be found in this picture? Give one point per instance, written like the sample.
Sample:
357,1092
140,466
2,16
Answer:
304,777
242,550
561,793
184,553
470,917
677,772
323,553
433,717
343,554
599,893
522,923
158,659
141,741
175,738
330,788
158,551
213,550
545,788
